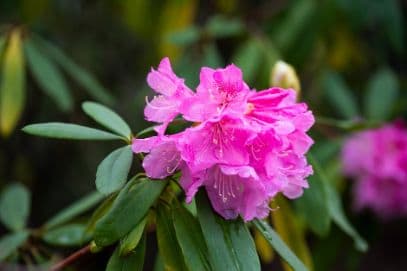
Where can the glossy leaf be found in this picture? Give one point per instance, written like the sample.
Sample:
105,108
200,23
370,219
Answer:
128,210
112,172
340,96
133,261
68,131
48,76
75,209
103,208
190,238
279,246
335,207
12,88
10,242
288,226
107,118
381,95
15,206
168,246
67,235
79,74
128,243
227,240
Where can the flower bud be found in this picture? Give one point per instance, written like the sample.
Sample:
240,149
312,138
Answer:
283,75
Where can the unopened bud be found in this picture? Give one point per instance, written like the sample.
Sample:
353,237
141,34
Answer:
283,75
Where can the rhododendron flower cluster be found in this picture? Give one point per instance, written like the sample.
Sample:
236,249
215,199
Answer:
243,146
378,160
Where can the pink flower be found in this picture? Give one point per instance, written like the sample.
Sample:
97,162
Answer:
244,148
377,159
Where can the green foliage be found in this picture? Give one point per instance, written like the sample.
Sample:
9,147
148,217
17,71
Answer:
381,94
68,131
15,206
278,244
131,261
10,242
74,210
190,238
127,211
249,57
229,242
112,172
67,235
129,243
107,118
12,88
48,76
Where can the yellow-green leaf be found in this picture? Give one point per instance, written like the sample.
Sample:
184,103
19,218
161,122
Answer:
288,227
12,90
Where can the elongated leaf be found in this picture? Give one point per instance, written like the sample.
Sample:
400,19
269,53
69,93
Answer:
48,77
340,96
128,243
129,208
75,209
227,240
381,95
2,43
12,88
15,206
278,244
68,131
133,261
10,242
185,36
100,212
168,246
221,27
107,118
112,172
190,238
288,227
67,235
312,205
79,74
335,207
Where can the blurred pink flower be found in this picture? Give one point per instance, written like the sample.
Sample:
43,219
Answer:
244,148
377,159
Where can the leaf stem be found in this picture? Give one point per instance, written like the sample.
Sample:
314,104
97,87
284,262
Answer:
71,258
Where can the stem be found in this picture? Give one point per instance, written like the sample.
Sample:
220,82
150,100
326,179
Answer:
71,258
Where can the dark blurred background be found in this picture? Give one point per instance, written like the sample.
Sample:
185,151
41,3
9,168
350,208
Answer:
336,46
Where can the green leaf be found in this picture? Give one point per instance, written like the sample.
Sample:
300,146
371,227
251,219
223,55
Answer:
112,172
381,94
313,207
249,57
15,206
221,27
74,210
79,74
229,242
335,207
48,77
133,261
103,208
2,43
167,241
128,243
190,238
339,95
67,235
107,118
278,244
185,36
68,131
211,56
12,88
128,210
10,242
